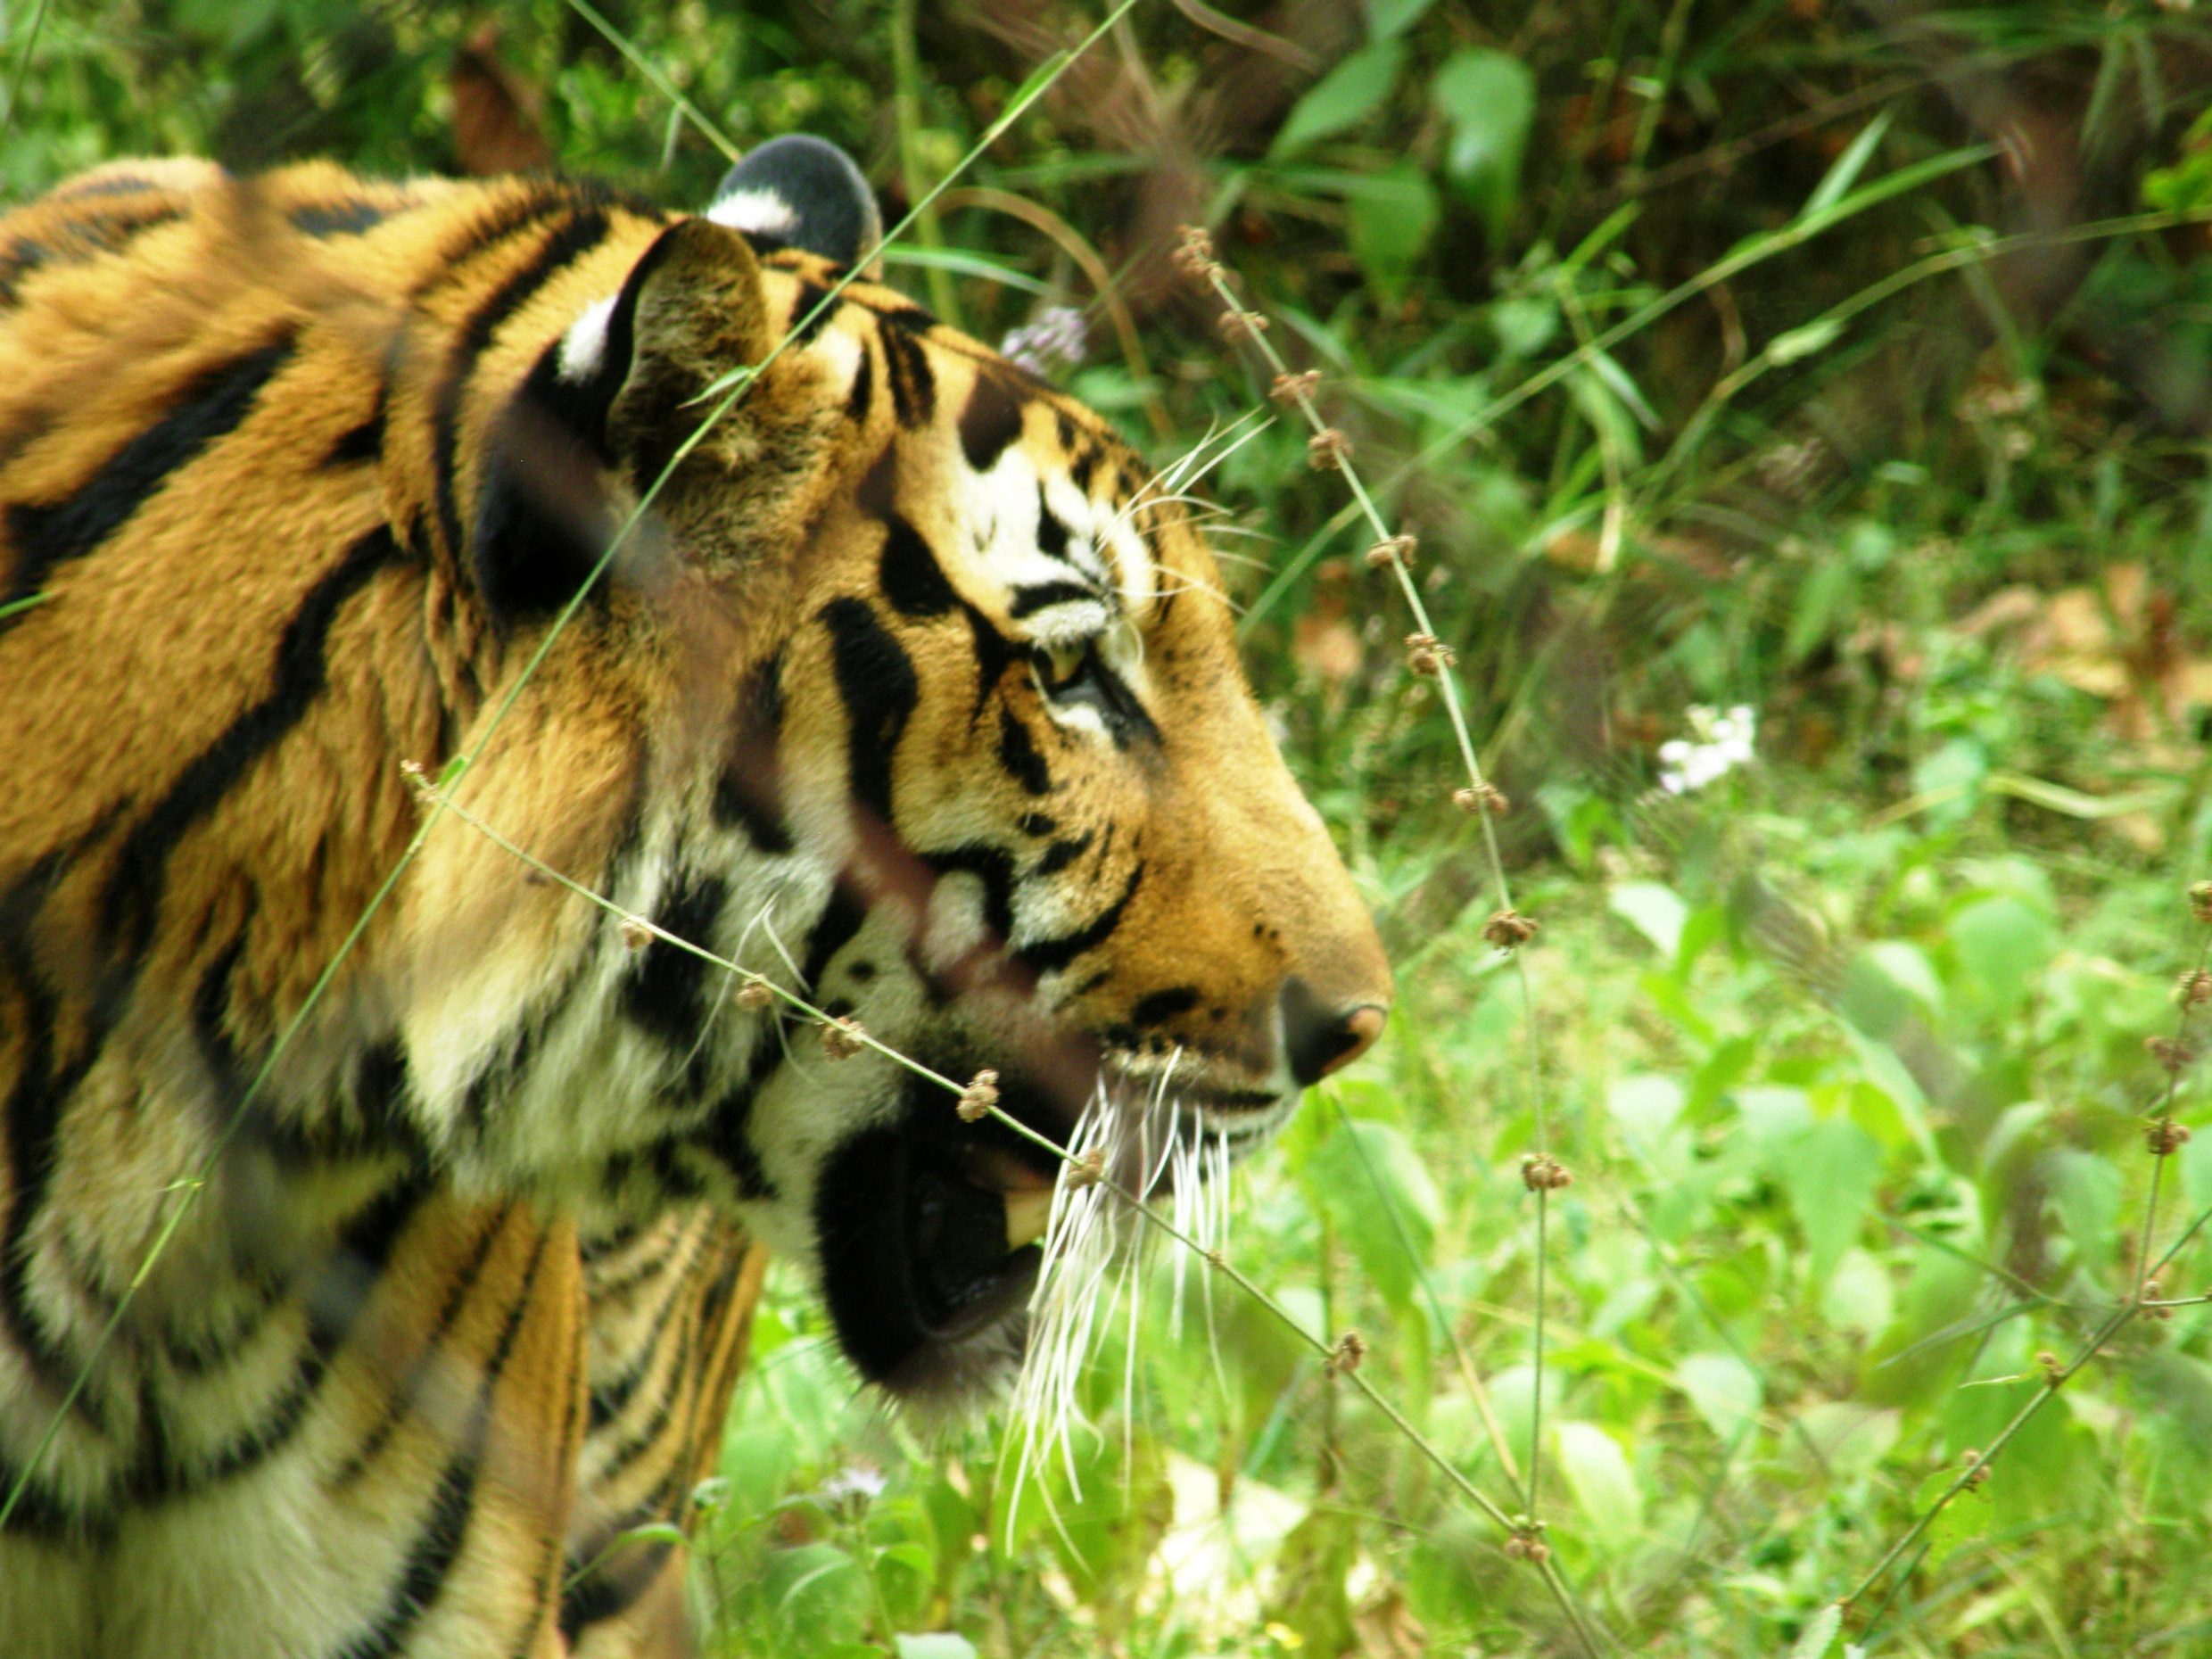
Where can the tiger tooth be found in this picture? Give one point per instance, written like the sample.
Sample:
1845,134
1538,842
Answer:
1026,1213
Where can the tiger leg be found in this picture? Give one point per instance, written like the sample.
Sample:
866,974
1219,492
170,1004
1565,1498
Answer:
671,1313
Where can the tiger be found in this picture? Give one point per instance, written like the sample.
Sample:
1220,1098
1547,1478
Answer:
387,570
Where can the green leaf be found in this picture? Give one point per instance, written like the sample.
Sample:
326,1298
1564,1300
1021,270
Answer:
1722,1390
1830,1173
1603,1486
2004,944
1390,222
1849,165
1343,97
2085,1193
1387,19
938,1645
1964,1518
1646,1107
1489,99
1818,1634
1795,344
1373,1187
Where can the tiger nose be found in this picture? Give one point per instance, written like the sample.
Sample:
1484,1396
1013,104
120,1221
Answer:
1319,1038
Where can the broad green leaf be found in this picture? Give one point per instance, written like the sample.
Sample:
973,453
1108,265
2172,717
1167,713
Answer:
1852,1437
1488,98
938,1645
2004,944
1722,1390
1343,97
1830,1173
1387,19
1390,222
1858,1296
1603,1486
1964,1518
1646,1107
1381,1197
2085,1193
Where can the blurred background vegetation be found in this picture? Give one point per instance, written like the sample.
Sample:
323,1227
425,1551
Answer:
1802,408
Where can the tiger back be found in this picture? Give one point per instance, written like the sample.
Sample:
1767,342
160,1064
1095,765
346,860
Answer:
381,1221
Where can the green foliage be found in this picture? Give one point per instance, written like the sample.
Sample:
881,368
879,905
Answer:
1683,339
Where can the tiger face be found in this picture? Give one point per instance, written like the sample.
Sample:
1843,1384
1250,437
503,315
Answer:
915,691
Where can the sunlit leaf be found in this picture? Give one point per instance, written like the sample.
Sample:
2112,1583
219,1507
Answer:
1342,98
1605,1486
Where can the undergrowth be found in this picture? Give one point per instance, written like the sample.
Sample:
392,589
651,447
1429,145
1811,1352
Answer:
1798,409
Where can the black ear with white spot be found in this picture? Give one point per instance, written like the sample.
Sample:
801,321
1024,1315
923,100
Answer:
798,192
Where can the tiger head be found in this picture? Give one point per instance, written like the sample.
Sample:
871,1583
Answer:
914,689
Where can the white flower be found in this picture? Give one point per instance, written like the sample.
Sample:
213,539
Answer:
1719,742
1056,337
857,1482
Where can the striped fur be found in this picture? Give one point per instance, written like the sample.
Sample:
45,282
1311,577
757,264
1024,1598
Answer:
904,693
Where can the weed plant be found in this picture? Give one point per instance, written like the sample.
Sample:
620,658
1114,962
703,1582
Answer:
1798,409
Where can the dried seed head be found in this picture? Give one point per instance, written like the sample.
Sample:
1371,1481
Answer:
635,933
1235,328
2153,1293
2165,1137
753,994
1328,450
1428,655
841,1038
1481,797
1089,1169
1976,1471
1351,1348
2200,901
1540,1172
1194,253
2048,1363
1509,930
1289,389
1527,1542
2193,989
2170,1052
980,1095
1392,551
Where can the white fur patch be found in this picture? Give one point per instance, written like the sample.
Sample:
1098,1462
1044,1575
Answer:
755,211
584,346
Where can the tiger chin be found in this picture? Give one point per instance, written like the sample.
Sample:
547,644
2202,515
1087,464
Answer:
375,1249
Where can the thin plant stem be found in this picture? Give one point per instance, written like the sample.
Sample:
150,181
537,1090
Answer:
652,71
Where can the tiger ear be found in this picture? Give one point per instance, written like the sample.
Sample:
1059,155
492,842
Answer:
619,390
800,192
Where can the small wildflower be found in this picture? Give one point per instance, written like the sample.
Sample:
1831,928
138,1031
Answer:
853,1486
1719,743
1976,1471
1292,389
1236,326
2165,1137
1391,550
1350,1349
2193,989
1540,1172
841,1038
637,933
978,1097
1509,930
419,781
1055,338
1328,450
1428,655
1481,797
2200,901
2170,1052
1194,253
753,994
1089,1169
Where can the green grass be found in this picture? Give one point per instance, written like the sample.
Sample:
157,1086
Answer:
1707,353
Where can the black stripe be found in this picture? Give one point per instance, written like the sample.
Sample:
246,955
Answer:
1018,753
1047,956
877,681
748,791
914,385
133,893
109,231
336,219
1161,1006
1037,595
1053,531
665,994
438,1541
805,327
576,237
1062,853
912,579
862,396
213,402
990,420
364,442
